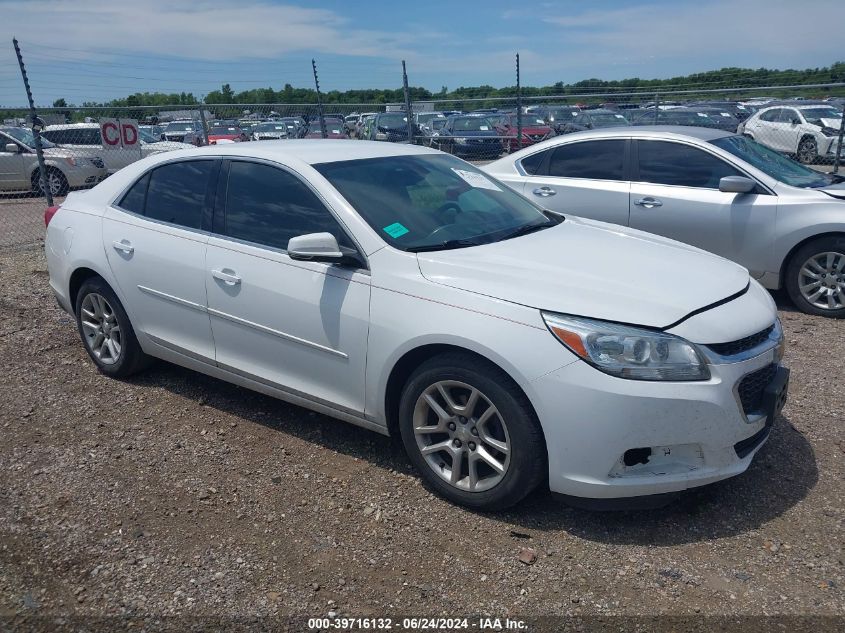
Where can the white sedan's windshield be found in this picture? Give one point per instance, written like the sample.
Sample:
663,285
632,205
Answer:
431,202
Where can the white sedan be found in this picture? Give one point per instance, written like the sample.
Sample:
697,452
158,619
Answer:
401,289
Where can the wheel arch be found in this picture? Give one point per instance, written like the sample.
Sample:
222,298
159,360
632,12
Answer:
786,260
411,359
78,277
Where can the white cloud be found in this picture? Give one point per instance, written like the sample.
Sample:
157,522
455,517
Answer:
197,29
749,28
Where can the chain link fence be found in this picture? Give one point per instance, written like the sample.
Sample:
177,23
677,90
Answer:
84,145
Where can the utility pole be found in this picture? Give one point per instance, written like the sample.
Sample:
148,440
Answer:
319,101
37,126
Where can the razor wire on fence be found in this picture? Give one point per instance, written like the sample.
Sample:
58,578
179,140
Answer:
82,145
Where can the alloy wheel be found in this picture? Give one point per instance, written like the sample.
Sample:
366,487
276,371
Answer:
807,151
462,436
101,328
821,280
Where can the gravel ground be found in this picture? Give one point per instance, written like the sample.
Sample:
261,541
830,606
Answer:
173,494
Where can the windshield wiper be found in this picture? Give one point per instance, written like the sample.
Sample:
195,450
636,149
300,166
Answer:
444,246
526,229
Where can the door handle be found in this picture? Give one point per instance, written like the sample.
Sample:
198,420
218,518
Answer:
124,246
229,278
648,203
544,192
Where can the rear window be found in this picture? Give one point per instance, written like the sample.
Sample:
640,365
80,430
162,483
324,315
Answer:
176,192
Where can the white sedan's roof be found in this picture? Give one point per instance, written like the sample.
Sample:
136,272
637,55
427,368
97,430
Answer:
313,151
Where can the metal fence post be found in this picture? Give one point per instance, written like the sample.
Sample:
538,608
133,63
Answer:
36,128
204,125
408,111
656,106
518,106
839,148
319,101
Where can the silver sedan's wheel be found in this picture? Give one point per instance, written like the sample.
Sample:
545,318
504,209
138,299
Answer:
462,436
822,280
100,328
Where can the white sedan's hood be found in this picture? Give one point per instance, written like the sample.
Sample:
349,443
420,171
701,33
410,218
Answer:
592,269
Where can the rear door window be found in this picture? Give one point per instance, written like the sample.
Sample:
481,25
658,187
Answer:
596,160
177,192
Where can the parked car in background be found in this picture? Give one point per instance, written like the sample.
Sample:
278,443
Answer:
156,131
592,119
85,141
809,132
435,125
228,132
555,116
534,130
19,169
738,110
176,130
721,192
698,117
334,130
411,294
273,130
423,123
389,126
468,136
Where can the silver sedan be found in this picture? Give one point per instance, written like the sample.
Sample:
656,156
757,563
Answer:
719,191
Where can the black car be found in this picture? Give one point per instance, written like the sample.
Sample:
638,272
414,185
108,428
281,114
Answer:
556,116
593,119
389,126
738,110
469,136
697,117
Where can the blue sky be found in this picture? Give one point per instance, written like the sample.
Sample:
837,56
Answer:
99,49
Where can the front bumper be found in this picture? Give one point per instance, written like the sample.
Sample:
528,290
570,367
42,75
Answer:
695,433
85,176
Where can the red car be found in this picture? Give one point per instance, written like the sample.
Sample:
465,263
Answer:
534,130
225,133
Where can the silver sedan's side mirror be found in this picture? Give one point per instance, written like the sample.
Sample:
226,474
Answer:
315,247
737,184
11,148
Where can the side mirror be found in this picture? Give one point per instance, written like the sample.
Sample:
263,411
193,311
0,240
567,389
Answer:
315,247
795,121
12,148
737,184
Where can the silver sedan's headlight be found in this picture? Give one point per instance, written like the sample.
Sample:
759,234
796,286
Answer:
628,352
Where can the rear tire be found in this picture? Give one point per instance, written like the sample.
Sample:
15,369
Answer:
815,277
106,331
492,439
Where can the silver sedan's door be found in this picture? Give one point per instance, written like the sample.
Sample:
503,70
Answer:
13,174
586,178
677,195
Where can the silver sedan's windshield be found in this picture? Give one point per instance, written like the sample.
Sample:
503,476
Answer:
24,136
432,202
772,163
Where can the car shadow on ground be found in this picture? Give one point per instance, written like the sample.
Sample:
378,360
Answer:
782,474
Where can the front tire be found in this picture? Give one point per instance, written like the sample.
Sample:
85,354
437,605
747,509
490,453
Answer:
815,277
106,331
808,150
471,432
56,182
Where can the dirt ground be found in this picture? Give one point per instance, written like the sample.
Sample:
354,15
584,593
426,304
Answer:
174,498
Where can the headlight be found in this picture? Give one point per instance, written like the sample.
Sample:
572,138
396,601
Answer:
71,161
829,131
460,140
628,352
381,136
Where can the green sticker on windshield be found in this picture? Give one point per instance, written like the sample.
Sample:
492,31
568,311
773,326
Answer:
395,230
